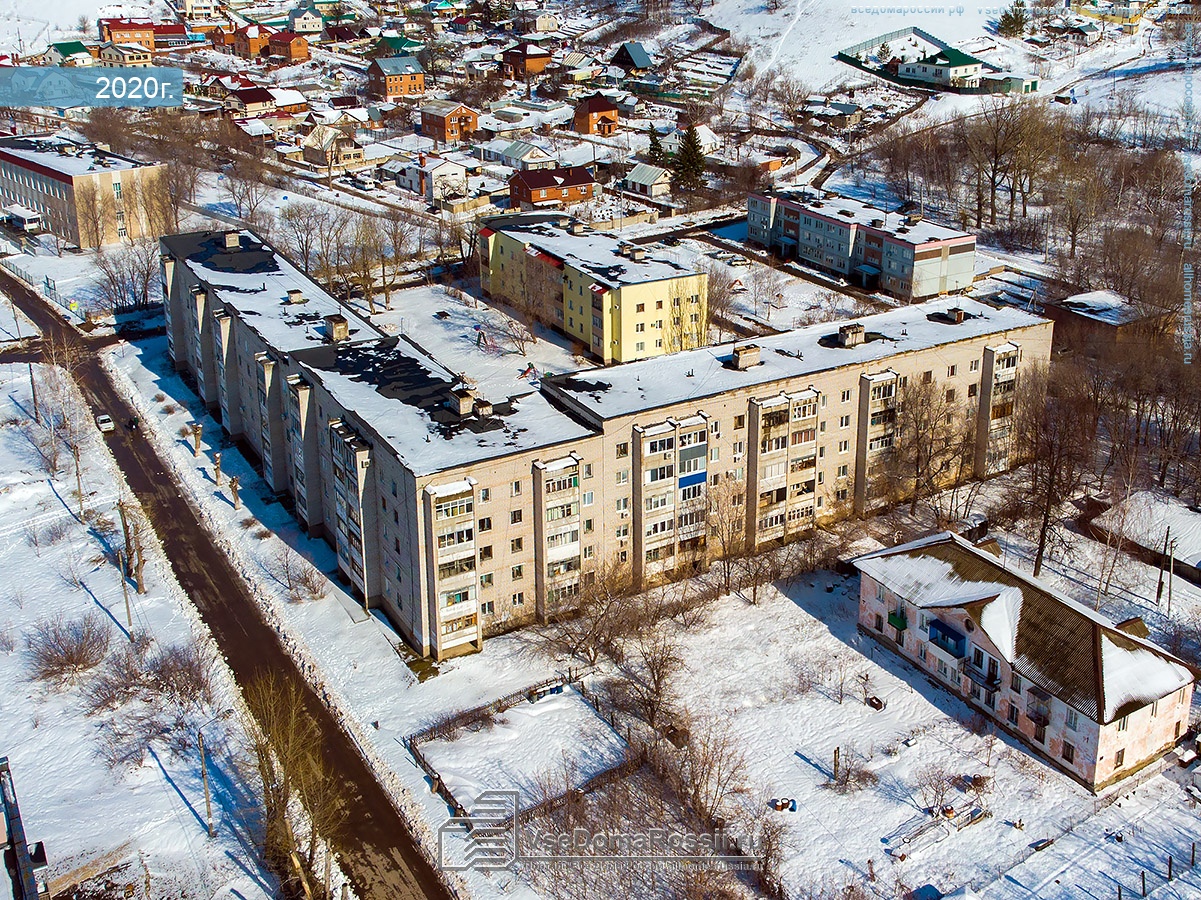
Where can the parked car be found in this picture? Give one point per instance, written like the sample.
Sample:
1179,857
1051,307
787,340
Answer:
105,423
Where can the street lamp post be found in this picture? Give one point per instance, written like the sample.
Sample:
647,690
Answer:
204,770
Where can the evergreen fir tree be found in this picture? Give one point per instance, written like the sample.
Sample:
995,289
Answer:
884,53
1014,20
689,163
654,153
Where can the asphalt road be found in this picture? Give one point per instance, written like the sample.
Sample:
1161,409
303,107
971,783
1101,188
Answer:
377,850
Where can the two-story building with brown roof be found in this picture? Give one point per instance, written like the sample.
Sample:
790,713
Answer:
596,115
549,188
448,122
392,77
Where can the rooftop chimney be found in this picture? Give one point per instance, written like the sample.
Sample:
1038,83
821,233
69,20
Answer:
957,313
233,240
637,253
851,335
461,402
295,295
576,228
745,356
336,328
483,408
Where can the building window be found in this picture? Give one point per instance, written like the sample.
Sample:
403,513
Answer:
515,545
879,622
974,365
846,396
515,489
1155,709
844,446
950,395
1119,759
489,607
515,517
623,477
517,573
589,551
588,498
587,470
1123,723
739,422
485,553
1072,720
519,598
1013,713
1015,682
486,580
486,523
623,450
1069,753
951,370
641,345
844,422
1040,733
973,389
842,471
927,376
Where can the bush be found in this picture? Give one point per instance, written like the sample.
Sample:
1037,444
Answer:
61,651
7,644
169,409
122,677
183,673
160,397
249,522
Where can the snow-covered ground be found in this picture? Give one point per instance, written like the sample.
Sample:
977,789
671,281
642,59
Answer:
537,749
139,820
14,324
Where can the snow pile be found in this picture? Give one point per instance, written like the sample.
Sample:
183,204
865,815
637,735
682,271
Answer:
538,749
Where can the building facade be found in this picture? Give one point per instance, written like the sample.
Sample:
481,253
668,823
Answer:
948,67
903,255
124,56
616,299
462,506
392,77
84,194
1094,699
448,122
551,188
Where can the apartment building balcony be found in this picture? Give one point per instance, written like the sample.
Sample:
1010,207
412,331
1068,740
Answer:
948,641
1004,373
897,620
989,680
451,611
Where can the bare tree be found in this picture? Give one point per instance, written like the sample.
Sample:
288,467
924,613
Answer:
716,765
300,225
246,185
651,671
726,521
600,615
130,271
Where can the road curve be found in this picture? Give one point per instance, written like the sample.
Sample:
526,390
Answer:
377,850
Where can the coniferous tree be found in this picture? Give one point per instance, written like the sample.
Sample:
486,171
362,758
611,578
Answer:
1014,20
689,163
654,153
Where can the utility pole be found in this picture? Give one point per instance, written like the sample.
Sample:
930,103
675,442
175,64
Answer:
204,770
1159,587
123,562
1171,574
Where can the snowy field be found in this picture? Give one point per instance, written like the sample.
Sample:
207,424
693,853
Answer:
537,749
141,819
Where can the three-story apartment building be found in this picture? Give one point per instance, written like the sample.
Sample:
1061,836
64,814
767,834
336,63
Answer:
902,254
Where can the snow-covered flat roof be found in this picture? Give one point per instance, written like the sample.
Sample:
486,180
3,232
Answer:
1103,306
848,211
1072,652
62,156
399,391
255,281
596,252
696,374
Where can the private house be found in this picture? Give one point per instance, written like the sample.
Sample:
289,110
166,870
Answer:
448,122
128,31
596,115
250,41
1092,697
904,255
431,177
542,188
303,20
831,114
250,102
947,67
396,45
648,181
170,36
288,46
69,53
329,148
124,55
709,143
524,61
545,22
499,493
289,100
515,154
632,58
392,77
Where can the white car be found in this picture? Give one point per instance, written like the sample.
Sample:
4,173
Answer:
105,423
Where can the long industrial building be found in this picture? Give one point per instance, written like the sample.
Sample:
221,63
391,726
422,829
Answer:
462,505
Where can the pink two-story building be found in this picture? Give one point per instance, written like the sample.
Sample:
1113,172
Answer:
1085,693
